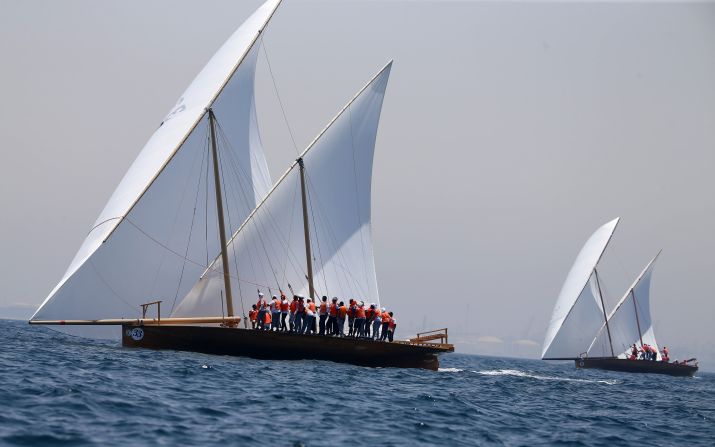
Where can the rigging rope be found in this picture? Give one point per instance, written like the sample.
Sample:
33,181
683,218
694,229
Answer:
191,229
280,102
239,170
173,225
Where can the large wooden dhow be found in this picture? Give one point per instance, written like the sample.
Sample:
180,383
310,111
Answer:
581,330
195,227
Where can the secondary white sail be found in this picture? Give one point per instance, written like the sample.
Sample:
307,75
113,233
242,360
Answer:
578,313
630,320
144,245
268,252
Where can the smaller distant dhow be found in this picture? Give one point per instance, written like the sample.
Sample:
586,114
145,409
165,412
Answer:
623,340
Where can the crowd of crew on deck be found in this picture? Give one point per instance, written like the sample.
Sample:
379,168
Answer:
302,316
648,352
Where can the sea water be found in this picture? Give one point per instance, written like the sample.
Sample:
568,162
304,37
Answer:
61,390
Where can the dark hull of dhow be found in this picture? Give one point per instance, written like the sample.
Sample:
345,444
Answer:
637,366
283,346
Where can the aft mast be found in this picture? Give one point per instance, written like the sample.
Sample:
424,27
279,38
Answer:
219,212
603,307
638,323
306,229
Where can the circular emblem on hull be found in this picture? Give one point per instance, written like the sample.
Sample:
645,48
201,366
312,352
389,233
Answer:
136,333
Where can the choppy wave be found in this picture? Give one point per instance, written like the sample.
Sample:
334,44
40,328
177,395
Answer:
517,373
60,390
450,370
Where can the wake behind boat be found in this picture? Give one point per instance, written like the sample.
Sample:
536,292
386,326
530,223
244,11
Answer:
195,224
582,331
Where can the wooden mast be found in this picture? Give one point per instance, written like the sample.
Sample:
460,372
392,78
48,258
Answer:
306,229
219,212
638,323
603,308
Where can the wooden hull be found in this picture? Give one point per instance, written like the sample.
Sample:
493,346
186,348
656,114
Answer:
637,366
282,346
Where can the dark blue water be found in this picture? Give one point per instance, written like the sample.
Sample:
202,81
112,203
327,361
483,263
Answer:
60,390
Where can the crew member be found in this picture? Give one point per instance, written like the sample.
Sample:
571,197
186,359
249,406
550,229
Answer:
352,309
360,319
309,320
284,312
653,353
664,354
376,323
342,314
391,327
262,307
634,352
299,315
369,314
253,316
293,309
275,307
385,324
267,321
323,314
333,317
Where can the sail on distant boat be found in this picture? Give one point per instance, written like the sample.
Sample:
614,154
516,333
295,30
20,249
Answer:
579,310
583,331
195,227
630,320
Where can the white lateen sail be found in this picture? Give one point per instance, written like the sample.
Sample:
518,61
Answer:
268,252
578,314
630,321
145,245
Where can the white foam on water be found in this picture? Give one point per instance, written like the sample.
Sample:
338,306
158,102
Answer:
517,373
450,370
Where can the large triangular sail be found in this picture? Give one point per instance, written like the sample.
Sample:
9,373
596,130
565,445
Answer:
144,244
269,249
578,314
630,321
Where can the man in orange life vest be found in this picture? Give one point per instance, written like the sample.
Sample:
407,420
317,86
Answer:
275,307
665,355
253,316
369,314
385,324
309,320
391,327
267,321
360,320
323,314
342,314
376,323
333,317
293,310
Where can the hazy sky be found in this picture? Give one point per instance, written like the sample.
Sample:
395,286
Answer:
510,132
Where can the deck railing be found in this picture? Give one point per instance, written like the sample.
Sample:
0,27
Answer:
437,334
